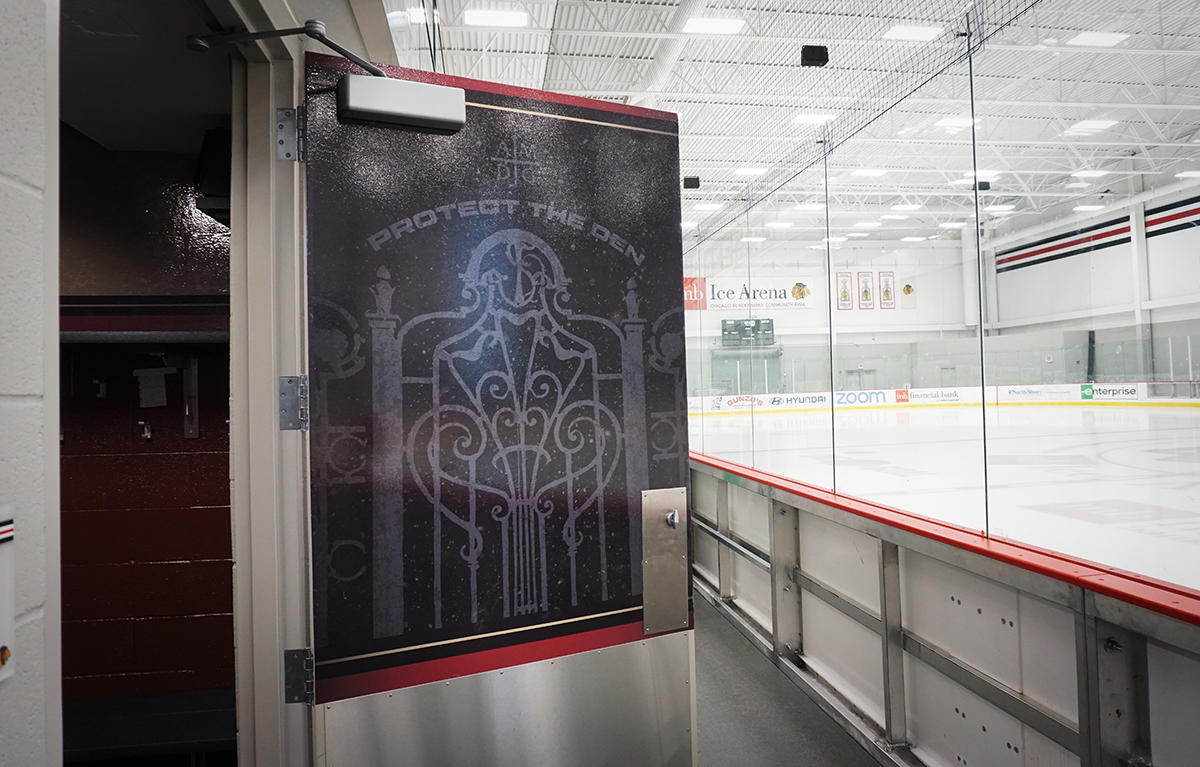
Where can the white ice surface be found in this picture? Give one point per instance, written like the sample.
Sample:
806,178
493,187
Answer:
1113,484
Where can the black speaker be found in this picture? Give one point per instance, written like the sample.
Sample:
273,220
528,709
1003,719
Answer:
691,182
814,55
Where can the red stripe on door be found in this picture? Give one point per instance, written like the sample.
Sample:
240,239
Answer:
399,677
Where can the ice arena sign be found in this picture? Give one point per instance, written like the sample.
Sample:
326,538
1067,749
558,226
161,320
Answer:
779,293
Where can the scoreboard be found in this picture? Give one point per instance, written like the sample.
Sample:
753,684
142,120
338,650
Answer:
737,333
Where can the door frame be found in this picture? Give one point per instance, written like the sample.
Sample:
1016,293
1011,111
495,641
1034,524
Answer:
268,467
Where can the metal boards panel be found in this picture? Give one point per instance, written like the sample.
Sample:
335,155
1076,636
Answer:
665,570
846,653
970,617
628,705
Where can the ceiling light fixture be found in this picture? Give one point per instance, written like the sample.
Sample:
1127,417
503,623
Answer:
956,122
999,208
867,225
952,225
754,239
1090,173
1077,185
811,119
777,224
891,217
1097,39
915,34
710,26
1188,174
912,239
484,17
689,224
416,16
1085,208
873,172
858,234
810,206
833,239
906,207
1089,127
955,125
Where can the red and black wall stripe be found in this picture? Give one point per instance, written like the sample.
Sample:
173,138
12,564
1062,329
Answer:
1107,234
1164,219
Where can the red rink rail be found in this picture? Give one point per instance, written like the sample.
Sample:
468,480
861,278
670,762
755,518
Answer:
1158,596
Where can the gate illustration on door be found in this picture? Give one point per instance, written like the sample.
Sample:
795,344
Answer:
496,361
519,438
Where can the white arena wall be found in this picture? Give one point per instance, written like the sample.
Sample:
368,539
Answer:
1129,275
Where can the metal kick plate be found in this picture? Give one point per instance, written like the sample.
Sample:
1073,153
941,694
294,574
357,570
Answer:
628,705
664,560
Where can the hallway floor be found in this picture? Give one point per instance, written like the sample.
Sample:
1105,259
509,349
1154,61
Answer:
750,715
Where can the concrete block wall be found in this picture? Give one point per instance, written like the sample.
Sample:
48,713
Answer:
30,700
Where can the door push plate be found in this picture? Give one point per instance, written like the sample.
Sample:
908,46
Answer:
665,566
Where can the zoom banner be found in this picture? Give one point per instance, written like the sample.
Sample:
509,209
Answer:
497,373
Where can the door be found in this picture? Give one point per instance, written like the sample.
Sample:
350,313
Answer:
498,440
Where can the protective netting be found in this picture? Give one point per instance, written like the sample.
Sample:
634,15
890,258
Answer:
862,83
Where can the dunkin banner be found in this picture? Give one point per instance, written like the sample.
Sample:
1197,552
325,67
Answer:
497,373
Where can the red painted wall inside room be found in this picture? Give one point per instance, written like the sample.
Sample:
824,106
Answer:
146,541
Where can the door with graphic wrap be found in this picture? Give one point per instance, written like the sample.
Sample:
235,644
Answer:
498,414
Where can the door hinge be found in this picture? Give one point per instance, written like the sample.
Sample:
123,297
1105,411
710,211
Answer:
299,677
293,403
289,134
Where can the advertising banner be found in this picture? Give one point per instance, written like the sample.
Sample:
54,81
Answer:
1038,393
496,372
1126,392
1057,394
794,292
945,395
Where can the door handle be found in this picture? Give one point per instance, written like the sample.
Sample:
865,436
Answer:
673,518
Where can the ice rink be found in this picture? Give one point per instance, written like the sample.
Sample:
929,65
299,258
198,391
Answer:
1116,484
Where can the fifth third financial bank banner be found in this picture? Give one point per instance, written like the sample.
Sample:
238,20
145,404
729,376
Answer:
496,371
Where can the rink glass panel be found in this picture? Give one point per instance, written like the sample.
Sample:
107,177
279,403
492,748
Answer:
908,421
1072,423
1092,297
757,325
